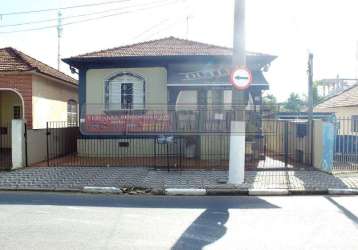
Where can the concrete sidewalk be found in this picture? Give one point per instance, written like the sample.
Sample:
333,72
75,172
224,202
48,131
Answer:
76,178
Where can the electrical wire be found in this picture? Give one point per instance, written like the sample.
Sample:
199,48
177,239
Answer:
62,8
86,20
76,16
173,23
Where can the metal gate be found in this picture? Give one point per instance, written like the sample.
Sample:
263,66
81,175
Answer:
281,144
5,146
346,145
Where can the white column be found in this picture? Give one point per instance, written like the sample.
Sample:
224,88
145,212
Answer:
17,143
237,153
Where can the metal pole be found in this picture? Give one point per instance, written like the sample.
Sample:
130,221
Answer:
47,145
239,98
310,105
59,34
237,136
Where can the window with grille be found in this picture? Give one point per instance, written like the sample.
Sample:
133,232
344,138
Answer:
125,91
354,123
16,112
72,115
127,95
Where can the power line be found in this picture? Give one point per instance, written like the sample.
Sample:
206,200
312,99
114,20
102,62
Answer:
86,20
62,8
151,28
76,16
166,27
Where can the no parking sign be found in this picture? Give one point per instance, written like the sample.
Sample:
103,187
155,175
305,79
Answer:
241,78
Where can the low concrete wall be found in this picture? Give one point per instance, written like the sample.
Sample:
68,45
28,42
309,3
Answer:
123,148
36,146
62,141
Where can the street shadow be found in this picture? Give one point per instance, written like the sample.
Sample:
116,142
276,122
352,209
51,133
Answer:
344,210
206,229
210,225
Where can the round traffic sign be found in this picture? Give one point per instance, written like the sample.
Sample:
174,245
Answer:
241,78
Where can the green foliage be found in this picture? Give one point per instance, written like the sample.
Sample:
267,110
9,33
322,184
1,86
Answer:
270,103
294,103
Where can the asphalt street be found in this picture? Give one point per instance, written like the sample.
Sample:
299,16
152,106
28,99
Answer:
35,220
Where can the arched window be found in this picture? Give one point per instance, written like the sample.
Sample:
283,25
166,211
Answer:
125,91
72,116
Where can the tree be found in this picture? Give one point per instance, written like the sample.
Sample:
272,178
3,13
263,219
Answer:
269,102
294,103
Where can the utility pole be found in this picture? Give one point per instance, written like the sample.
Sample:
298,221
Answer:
238,125
310,104
59,35
239,98
187,26
310,86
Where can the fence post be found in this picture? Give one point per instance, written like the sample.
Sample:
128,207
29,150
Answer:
25,138
286,143
17,143
237,153
47,145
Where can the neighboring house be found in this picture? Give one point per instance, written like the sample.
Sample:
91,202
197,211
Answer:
123,89
34,91
345,107
343,104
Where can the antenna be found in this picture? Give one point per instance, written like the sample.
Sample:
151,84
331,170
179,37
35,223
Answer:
59,35
356,74
187,26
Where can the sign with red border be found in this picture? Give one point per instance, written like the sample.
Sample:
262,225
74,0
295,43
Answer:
241,78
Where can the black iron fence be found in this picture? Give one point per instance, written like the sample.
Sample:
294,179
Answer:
66,147
177,139
159,119
5,146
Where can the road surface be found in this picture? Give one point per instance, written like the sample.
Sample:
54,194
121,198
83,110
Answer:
77,221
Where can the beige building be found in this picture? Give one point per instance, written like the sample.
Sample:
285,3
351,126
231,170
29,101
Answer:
34,91
344,104
345,107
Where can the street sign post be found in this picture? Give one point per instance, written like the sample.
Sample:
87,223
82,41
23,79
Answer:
241,78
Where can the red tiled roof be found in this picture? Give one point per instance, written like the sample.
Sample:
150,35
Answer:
169,46
12,60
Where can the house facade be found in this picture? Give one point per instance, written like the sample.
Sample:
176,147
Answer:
344,105
134,90
34,91
160,74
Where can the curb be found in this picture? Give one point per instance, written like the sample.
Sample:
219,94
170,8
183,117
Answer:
308,192
185,191
227,191
102,190
267,192
341,191
192,192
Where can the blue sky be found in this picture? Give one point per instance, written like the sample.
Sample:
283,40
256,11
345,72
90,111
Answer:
288,29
